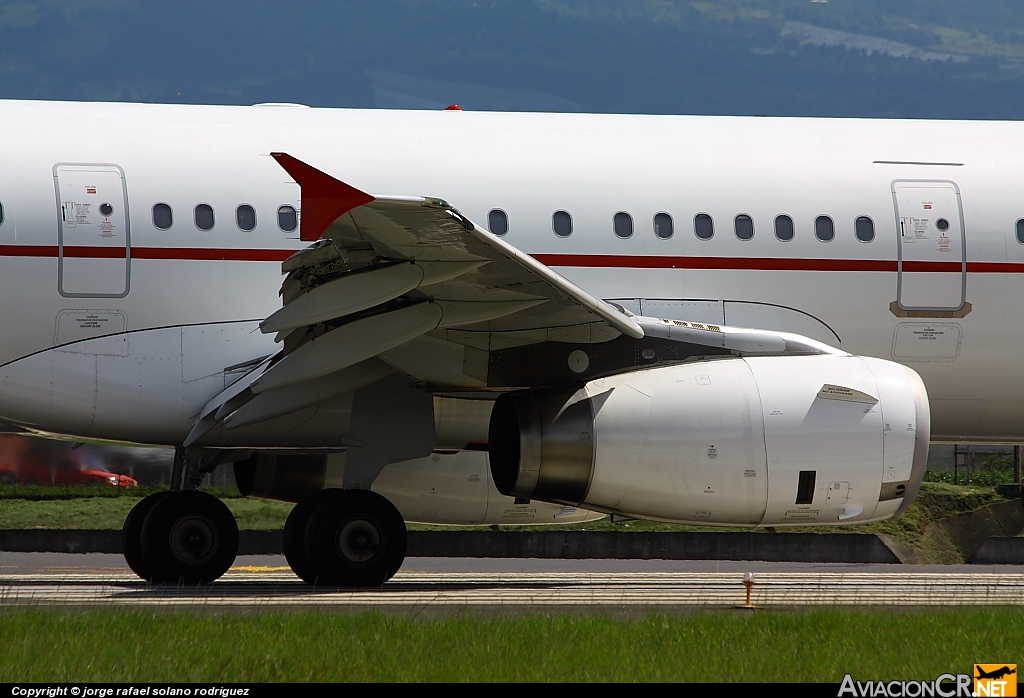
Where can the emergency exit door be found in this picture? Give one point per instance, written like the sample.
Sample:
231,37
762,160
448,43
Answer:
932,262
93,237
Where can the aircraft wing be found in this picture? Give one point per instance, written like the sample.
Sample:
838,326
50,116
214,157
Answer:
410,284
462,262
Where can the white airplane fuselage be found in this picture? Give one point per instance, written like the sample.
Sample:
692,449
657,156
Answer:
144,321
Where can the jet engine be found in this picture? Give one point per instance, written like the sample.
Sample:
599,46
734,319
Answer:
743,441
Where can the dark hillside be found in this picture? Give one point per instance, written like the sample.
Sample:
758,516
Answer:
916,58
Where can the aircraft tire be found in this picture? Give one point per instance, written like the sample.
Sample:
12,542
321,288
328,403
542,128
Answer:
189,538
355,538
295,536
131,535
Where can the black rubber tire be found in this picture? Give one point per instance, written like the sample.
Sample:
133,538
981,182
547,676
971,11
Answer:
189,538
355,538
131,535
295,536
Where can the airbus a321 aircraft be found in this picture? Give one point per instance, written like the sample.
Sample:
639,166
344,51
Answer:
489,317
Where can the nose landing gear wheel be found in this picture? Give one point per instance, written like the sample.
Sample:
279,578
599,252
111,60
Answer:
189,537
355,538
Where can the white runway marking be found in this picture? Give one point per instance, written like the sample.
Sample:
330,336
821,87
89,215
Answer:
275,588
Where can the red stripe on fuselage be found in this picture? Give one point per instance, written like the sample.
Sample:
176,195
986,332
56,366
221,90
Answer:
769,264
203,253
601,261
954,267
168,253
754,263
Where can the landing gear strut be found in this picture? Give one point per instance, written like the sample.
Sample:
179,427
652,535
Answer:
180,537
348,538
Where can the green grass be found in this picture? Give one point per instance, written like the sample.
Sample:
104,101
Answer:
51,509
816,645
90,508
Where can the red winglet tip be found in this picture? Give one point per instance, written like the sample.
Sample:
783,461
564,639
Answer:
324,198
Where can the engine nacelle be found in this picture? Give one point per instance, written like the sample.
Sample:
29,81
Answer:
753,441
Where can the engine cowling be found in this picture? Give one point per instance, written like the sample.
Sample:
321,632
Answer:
751,441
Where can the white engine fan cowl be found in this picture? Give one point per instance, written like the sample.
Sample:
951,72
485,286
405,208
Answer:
754,441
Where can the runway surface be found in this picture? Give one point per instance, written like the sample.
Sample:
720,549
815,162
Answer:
450,584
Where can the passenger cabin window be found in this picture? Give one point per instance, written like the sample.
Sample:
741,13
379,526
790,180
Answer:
865,229
287,219
824,228
622,223
497,222
561,223
703,226
744,227
245,217
204,217
1020,231
784,228
663,226
163,219
1,214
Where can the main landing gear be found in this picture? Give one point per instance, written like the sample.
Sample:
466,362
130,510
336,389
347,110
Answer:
347,538
184,537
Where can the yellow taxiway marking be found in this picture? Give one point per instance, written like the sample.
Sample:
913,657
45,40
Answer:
259,568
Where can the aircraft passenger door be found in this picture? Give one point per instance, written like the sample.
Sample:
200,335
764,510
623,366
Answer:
93,236
932,260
